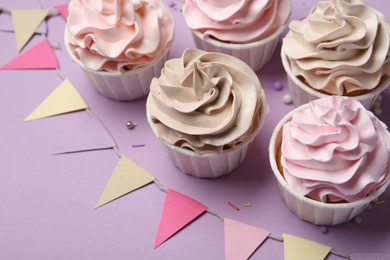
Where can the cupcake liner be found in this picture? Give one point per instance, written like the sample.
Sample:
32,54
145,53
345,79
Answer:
205,165
316,212
126,86
302,94
255,54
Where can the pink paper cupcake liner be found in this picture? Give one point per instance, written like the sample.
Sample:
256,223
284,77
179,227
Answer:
256,54
313,211
302,94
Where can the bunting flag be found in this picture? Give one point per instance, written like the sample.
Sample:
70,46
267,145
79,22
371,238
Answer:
296,248
26,21
41,56
63,10
88,136
241,240
64,99
8,26
179,210
127,177
369,256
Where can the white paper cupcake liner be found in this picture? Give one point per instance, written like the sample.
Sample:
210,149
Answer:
256,54
316,212
205,165
302,94
126,86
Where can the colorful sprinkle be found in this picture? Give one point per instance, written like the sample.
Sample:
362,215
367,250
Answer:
379,202
323,229
247,204
357,220
233,206
287,99
278,85
138,145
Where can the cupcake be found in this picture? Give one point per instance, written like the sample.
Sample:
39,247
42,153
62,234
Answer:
331,159
340,48
121,45
247,31
206,108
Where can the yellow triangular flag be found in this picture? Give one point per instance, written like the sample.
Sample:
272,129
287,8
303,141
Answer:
296,248
65,98
127,177
25,24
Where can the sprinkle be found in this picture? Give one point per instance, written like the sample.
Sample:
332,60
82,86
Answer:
357,220
278,85
138,145
378,111
323,229
377,103
247,204
379,202
287,99
233,206
130,125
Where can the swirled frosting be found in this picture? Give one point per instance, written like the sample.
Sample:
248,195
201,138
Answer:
341,48
335,150
206,102
118,35
241,21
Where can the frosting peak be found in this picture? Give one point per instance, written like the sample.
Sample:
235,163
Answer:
335,150
206,102
341,48
241,21
118,35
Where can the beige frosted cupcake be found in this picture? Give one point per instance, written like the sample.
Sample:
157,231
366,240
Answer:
120,45
247,31
331,159
206,108
340,48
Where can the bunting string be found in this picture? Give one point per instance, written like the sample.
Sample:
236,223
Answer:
115,148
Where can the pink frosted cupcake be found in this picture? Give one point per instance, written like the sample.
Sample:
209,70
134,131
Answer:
341,48
331,159
248,31
121,45
206,108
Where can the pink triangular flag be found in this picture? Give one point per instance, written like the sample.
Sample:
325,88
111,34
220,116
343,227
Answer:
63,9
369,256
41,56
241,240
297,248
179,210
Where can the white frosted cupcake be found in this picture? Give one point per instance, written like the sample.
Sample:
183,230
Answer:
121,45
331,159
206,108
247,31
340,48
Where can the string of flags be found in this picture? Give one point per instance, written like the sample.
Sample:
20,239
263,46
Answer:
241,240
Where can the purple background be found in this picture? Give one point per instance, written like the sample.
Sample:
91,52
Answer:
47,201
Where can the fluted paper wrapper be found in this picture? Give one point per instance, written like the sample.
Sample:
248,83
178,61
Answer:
205,165
256,54
302,94
313,211
126,86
